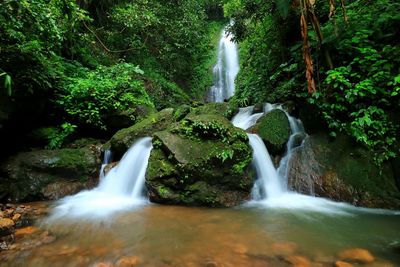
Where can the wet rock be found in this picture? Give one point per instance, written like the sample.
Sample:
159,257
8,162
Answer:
123,139
274,129
240,249
342,170
201,161
298,261
26,231
357,255
284,248
226,109
126,118
59,189
6,226
28,173
343,264
16,217
104,264
128,261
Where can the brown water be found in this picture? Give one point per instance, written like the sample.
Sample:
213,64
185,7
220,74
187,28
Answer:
178,236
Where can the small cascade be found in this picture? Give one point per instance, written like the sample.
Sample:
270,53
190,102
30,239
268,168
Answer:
122,188
296,138
245,118
225,71
106,160
268,184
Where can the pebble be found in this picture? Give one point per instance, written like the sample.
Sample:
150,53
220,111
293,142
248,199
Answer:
6,226
357,255
343,264
128,262
26,230
16,217
298,261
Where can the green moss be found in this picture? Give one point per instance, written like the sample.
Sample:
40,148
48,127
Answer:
124,138
274,129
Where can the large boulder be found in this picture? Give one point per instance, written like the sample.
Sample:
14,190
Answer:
123,139
201,161
274,129
226,109
342,170
37,175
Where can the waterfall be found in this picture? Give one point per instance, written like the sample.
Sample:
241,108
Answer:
106,160
271,183
268,183
225,70
295,139
122,188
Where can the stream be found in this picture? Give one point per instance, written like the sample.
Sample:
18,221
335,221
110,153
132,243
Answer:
115,225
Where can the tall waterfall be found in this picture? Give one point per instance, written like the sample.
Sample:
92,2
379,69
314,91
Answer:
121,189
225,71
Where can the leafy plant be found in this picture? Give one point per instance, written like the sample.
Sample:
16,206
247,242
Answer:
58,138
101,92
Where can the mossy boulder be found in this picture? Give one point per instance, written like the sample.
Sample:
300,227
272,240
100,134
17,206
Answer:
343,170
201,161
226,109
126,118
274,129
123,139
27,175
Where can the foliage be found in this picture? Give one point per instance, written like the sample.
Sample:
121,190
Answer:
357,88
7,82
58,138
103,91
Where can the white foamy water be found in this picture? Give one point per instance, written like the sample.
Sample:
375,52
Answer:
270,188
121,189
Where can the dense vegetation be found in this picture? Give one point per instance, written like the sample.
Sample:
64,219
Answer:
87,65
345,52
91,67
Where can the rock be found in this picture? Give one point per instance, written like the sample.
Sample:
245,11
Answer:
26,231
274,129
16,217
201,161
6,226
123,139
126,118
1,214
298,261
128,262
104,264
59,189
28,173
228,110
343,264
284,248
357,255
342,170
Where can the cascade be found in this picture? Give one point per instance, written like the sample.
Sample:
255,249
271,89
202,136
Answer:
106,160
122,188
225,70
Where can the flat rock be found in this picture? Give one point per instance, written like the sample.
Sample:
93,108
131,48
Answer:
357,255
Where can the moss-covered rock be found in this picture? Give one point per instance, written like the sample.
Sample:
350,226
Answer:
343,170
27,174
274,129
202,161
124,138
226,109
123,119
